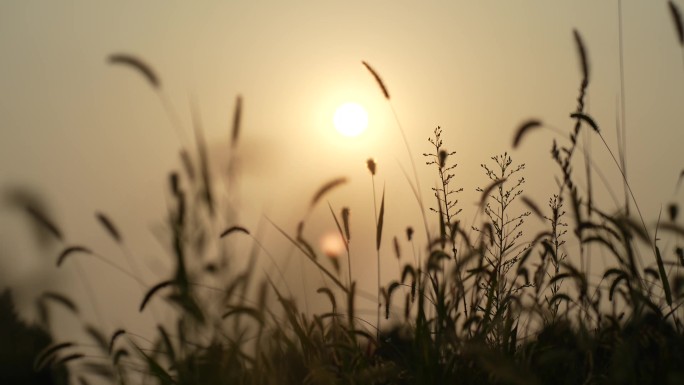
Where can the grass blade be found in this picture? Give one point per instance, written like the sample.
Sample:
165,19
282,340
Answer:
312,258
663,277
339,228
381,216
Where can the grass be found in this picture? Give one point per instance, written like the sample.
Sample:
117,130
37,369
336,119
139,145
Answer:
490,303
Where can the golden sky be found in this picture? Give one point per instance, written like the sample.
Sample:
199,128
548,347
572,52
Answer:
91,136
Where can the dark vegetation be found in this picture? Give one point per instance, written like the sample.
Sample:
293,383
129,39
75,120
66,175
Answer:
489,304
20,345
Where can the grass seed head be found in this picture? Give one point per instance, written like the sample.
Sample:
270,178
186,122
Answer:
377,79
677,19
138,65
345,220
371,165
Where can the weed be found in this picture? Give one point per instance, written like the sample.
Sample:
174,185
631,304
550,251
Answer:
492,308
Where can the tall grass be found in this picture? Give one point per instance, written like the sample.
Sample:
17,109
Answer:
490,304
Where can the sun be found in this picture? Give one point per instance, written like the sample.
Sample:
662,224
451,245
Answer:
350,119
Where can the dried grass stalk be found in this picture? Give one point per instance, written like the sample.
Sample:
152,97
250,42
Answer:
138,65
377,79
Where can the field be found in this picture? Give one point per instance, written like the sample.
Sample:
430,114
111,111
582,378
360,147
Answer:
486,300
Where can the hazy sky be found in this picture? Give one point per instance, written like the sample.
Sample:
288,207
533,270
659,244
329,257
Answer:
90,136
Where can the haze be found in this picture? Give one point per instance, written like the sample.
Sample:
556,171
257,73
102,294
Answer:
88,136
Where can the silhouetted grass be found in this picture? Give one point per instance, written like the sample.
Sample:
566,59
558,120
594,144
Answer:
491,304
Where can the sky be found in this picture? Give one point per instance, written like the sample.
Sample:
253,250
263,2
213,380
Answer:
87,136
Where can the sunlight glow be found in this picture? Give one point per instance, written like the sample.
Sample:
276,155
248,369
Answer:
332,244
350,119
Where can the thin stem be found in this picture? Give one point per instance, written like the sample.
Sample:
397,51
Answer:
416,189
91,292
621,130
624,177
173,117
